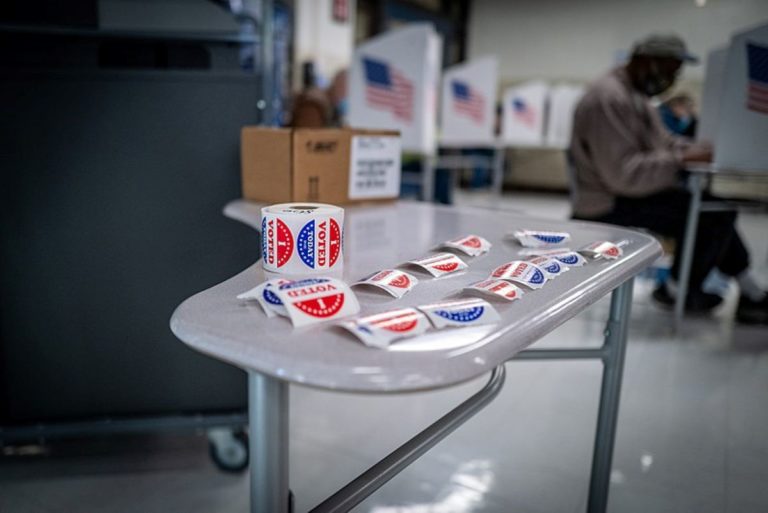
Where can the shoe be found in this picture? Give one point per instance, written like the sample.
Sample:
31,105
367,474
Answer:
752,312
697,302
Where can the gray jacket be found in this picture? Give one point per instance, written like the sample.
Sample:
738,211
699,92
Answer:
619,147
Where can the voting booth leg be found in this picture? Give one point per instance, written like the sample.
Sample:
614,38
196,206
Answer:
427,178
689,241
497,177
614,349
268,434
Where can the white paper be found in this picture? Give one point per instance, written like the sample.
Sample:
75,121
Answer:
374,167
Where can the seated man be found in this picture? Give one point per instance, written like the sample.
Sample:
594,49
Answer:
626,172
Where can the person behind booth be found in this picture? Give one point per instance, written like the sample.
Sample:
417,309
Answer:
679,115
626,171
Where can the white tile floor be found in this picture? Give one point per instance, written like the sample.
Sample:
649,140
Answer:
692,434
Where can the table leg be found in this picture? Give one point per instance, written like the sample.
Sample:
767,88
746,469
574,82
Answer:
610,392
268,440
689,241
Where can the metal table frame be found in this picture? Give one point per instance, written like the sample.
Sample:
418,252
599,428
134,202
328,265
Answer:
268,400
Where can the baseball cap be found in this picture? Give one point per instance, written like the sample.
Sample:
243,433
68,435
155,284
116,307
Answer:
664,45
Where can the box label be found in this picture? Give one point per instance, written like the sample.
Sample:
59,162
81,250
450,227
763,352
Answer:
374,170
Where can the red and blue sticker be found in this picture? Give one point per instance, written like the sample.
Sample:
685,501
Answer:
324,299
464,315
319,243
276,242
549,239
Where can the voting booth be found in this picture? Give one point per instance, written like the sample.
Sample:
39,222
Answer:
562,102
714,79
523,114
742,130
467,110
393,83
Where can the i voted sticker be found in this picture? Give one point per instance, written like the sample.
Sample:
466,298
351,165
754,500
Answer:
549,265
276,242
498,289
264,294
472,245
522,272
569,258
395,282
316,300
382,329
440,264
537,239
319,243
464,312
603,249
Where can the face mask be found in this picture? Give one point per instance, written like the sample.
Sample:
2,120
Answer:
655,82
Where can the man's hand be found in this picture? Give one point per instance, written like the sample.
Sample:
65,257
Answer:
699,152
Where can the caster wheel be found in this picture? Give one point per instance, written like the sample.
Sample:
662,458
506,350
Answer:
228,449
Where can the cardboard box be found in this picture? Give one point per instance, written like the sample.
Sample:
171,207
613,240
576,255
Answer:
334,166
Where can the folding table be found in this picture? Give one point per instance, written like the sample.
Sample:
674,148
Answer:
325,356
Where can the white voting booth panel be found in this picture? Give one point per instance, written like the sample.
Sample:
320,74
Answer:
562,103
523,114
743,128
467,113
393,84
714,80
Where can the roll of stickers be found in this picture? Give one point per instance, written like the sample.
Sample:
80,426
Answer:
302,238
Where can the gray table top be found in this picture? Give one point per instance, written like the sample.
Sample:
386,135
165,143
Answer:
383,236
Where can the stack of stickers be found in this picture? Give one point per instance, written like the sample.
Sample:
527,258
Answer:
380,330
543,264
313,300
398,283
306,301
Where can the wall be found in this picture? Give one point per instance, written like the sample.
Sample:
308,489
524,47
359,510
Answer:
579,39
319,38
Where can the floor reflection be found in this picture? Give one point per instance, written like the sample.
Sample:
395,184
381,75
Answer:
464,493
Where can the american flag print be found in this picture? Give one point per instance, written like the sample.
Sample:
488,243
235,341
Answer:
757,86
387,89
468,101
523,112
